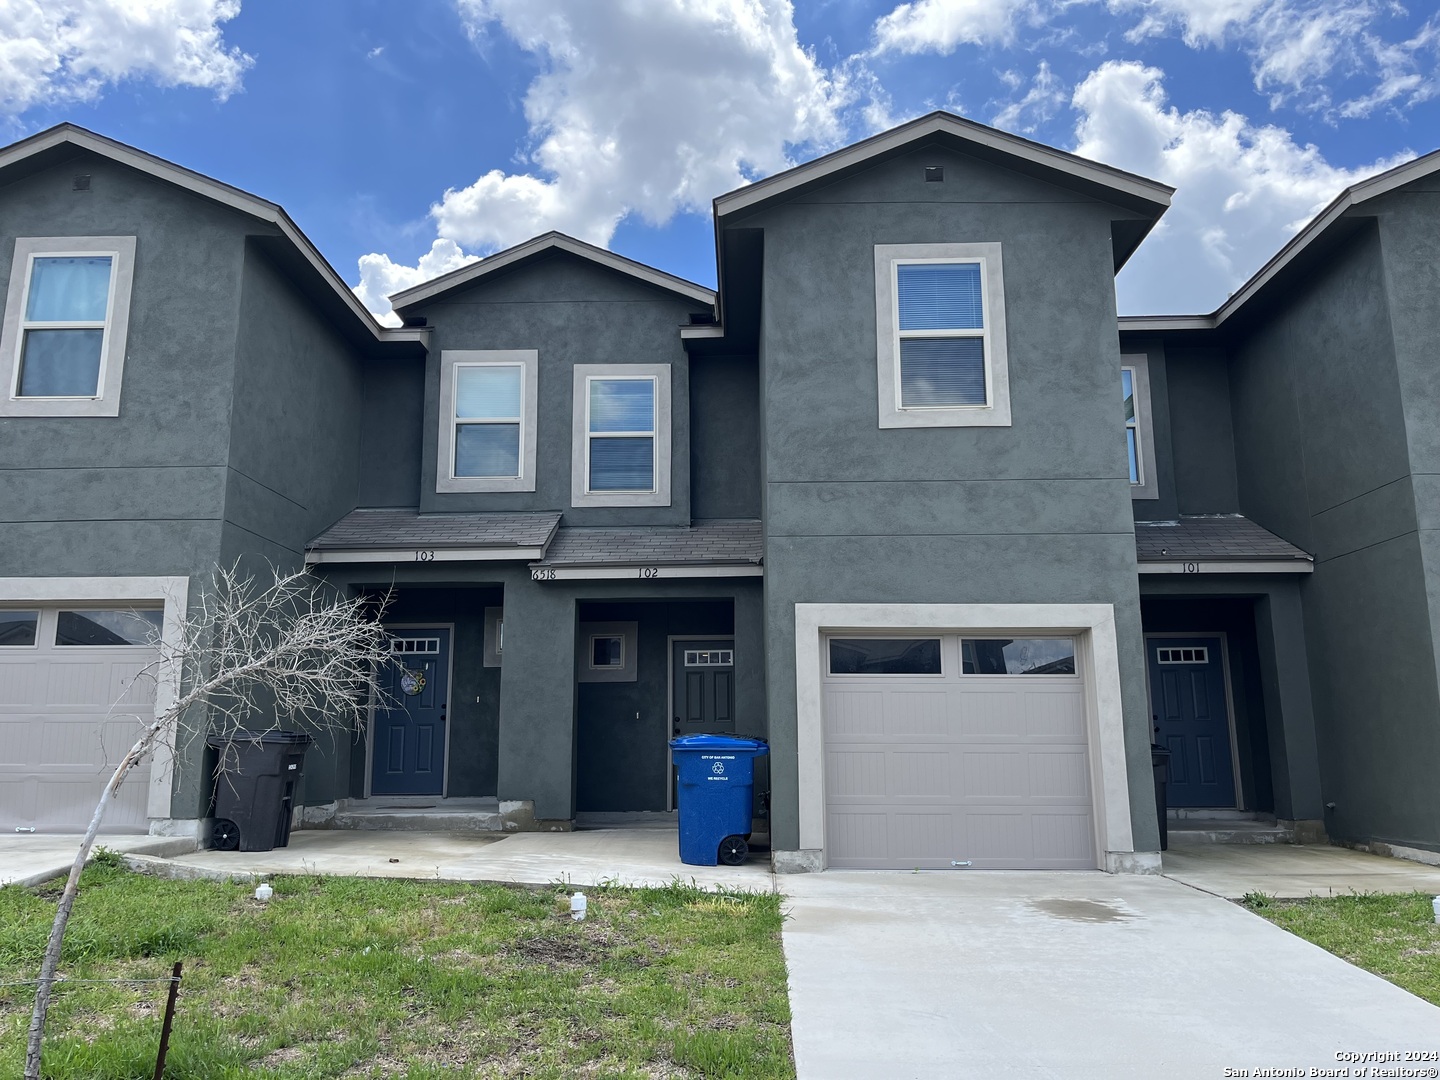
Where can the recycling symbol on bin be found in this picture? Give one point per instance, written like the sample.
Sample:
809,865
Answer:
718,768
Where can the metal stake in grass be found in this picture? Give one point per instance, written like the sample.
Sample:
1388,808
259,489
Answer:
169,1019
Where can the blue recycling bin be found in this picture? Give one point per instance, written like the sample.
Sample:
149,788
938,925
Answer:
717,794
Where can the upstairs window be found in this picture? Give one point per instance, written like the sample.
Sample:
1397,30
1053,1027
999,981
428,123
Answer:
1139,426
622,435
62,345
487,420
940,325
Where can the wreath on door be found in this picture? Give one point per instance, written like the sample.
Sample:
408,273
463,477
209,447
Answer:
412,682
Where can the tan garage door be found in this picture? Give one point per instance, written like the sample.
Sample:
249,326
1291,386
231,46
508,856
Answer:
70,706
947,750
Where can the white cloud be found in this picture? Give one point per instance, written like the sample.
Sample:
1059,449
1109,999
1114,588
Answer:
1301,50
380,276
1243,189
70,50
646,107
1038,104
941,26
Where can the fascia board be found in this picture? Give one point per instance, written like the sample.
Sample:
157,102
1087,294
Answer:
1136,187
215,190
551,242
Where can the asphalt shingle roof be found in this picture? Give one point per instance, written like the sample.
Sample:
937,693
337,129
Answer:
1227,536
719,543
366,530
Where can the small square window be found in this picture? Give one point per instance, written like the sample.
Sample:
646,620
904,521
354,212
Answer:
607,651
488,407
940,346
62,345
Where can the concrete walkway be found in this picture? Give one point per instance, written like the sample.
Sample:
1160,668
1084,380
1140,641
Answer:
1290,871
588,857
30,858
1077,975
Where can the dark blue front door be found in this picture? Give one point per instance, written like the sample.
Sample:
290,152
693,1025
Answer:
409,757
1187,696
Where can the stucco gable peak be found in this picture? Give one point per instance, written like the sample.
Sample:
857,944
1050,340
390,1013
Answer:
543,244
1130,190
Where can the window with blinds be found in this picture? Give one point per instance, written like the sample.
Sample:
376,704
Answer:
940,320
1132,426
488,418
620,430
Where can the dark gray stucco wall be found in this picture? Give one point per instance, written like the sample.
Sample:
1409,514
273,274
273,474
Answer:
1323,459
1035,513
295,435
1202,438
142,493
393,422
572,312
725,436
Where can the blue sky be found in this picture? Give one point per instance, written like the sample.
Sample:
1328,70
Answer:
405,138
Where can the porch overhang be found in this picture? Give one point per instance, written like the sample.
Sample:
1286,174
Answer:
706,549
408,536
1215,544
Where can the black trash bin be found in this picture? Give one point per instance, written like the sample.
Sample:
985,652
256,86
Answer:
255,788
1160,763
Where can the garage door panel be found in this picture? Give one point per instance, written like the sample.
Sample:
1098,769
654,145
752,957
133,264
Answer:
1059,774
855,712
989,713
921,713
20,685
989,772
917,836
922,774
1058,836
931,771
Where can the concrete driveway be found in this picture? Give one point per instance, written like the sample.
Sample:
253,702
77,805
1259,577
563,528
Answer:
1073,975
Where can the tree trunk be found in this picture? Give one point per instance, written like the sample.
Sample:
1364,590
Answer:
67,901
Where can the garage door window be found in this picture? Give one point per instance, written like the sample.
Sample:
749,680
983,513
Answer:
1018,656
17,628
109,627
885,656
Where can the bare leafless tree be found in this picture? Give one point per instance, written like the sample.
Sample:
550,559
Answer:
253,653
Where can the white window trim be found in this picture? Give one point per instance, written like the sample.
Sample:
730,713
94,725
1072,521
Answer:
1097,659
494,645
887,337
1139,366
451,361
106,401
580,495
627,632
173,593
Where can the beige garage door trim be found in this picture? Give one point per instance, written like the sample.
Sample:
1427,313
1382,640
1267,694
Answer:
1097,656
172,594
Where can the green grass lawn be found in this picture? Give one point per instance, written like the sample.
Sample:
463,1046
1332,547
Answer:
344,977
1396,937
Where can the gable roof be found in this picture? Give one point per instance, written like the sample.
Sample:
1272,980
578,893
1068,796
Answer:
1355,195
1126,189
67,134
540,245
